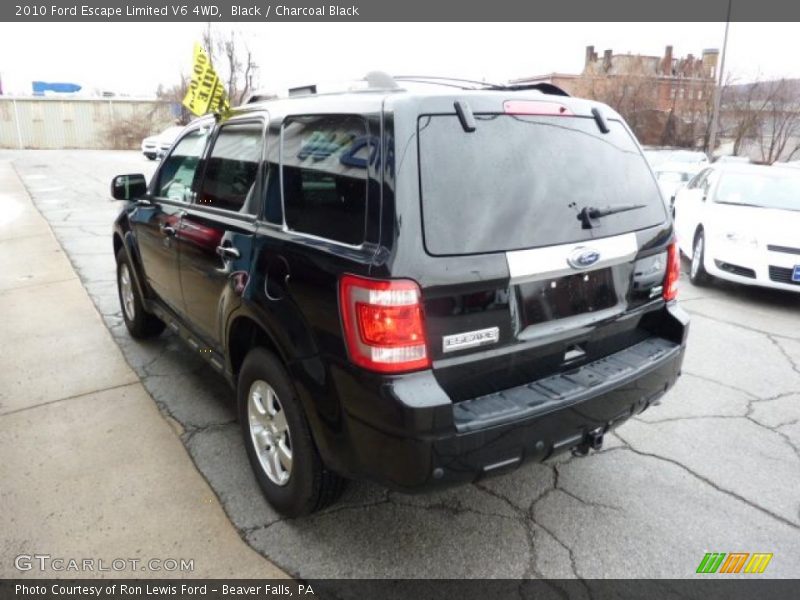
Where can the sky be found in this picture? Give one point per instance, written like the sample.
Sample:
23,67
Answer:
133,58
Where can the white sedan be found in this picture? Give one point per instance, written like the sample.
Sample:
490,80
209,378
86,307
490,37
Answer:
157,145
741,223
672,176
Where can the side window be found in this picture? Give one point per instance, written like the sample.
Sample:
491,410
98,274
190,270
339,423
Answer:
177,173
273,208
232,166
324,176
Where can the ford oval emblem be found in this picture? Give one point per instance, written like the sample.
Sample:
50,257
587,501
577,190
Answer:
583,258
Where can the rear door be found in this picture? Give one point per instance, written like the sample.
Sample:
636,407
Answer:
156,223
327,181
217,230
552,235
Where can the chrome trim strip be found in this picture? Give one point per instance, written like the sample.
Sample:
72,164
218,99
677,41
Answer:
502,463
537,264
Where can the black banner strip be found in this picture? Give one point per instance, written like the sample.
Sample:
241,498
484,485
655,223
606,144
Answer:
396,10
741,587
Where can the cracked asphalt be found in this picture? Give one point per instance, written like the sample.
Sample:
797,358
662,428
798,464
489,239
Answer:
716,467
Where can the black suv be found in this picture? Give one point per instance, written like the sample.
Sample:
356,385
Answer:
417,288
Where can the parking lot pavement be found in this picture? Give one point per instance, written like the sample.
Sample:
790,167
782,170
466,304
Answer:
716,467
90,469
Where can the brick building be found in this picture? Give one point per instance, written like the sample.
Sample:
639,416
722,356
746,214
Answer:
662,97
679,80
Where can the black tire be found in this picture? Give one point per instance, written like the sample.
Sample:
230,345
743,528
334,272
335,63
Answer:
140,323
697,270
310,485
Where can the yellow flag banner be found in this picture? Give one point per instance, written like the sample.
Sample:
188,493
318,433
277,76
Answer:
206,92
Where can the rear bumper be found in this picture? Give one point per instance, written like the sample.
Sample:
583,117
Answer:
408,435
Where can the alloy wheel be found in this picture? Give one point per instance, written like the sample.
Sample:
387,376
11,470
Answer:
269,432
126,292
697,256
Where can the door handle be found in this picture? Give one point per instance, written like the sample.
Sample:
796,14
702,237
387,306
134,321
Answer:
167,230
228,252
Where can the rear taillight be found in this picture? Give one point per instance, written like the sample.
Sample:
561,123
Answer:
383,323
673,272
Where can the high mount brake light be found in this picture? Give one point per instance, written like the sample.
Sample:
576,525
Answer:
383,323
534,107
673,272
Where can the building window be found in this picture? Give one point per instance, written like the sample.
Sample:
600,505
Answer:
672,92
681,93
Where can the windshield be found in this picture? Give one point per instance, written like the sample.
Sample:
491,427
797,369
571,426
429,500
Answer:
774,190
520,181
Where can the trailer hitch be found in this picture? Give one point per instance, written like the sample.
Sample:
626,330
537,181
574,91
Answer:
593,440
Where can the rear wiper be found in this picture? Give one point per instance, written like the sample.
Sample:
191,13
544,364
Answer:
587,213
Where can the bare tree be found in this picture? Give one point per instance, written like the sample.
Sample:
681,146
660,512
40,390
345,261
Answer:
232,60
742,110
175,94
703,112
127,132
779,127
632,94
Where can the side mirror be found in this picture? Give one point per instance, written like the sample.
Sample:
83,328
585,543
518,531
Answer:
128,187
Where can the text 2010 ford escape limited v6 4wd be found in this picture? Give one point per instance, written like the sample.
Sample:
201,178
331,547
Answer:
417,288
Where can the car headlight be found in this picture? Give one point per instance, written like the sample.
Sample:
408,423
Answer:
741,238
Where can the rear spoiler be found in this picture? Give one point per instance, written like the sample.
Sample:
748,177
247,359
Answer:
545,88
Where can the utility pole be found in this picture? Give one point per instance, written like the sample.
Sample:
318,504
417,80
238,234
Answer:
712,138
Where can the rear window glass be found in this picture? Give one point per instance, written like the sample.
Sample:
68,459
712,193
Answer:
519,182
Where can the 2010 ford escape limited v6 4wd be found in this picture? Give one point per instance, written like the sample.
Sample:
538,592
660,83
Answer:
416,288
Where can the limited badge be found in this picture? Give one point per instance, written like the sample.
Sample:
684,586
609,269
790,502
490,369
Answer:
470,339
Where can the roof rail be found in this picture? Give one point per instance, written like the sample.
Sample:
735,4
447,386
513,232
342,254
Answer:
379,80
450,82
545,88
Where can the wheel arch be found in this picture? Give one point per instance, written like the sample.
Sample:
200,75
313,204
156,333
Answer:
124,240
697,230
245,332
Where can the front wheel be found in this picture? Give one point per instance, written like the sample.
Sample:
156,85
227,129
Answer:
697,270
278,440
